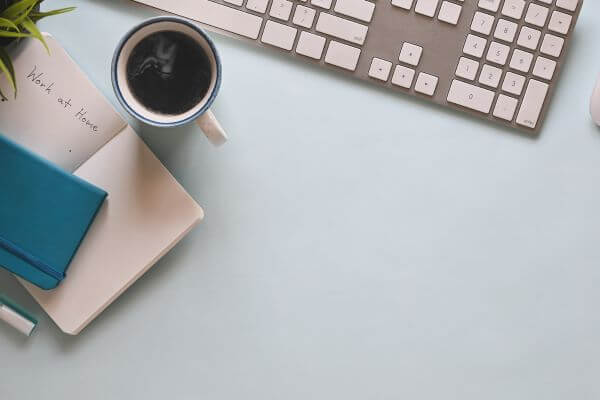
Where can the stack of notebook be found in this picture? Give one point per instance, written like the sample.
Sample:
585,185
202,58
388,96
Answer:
44,214
62,117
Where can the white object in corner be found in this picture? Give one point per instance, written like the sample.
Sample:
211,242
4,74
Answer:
16,320
595,105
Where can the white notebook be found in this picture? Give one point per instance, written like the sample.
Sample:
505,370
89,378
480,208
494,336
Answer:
63,117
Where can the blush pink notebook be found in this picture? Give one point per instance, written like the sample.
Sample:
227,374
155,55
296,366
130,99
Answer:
146,212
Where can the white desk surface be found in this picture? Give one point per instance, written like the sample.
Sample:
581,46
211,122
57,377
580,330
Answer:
358,245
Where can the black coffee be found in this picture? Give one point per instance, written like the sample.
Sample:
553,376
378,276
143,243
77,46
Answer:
168,72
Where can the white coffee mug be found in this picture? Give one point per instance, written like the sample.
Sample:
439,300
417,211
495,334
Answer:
201,111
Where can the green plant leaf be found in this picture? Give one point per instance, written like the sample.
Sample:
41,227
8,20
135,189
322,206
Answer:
36,15
24,15
18,8
11,34
35,32
7,23
7,68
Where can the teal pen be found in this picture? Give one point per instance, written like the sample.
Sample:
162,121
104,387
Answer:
16,317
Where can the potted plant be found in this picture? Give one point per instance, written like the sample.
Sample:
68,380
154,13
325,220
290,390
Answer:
18,20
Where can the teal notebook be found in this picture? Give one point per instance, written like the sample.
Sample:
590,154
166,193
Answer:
45,213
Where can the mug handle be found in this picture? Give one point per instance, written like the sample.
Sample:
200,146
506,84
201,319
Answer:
212,128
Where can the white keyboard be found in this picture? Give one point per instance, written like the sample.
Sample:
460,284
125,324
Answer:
496,59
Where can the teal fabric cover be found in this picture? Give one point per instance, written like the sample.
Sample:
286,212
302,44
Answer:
45,213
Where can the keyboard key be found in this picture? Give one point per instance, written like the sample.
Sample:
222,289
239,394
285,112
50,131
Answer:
560,22
359,9
505,30
426,7
532,104
260,6
450,13
544,68
235,2
552,45
279,35
304,16
471,96
570,5
521,60
513,83
410,54
490,5
529,38
482,23
380,69
326,4
513,8
223,17
310,45
341,55
342,28
498,53
505,107
467,68
281,9
405,4
536,15
426,84
474,46
403,76
490,76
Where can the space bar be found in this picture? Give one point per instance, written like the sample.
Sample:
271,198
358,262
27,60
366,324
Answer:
213,14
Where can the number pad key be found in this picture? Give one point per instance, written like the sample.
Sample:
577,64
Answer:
570,5
544,68
474,46
513,83
490,76
505,107
471,96
552,45
529,38
482,23
498,53
536,15
513,8
467,68
560,22
521,61
505,30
